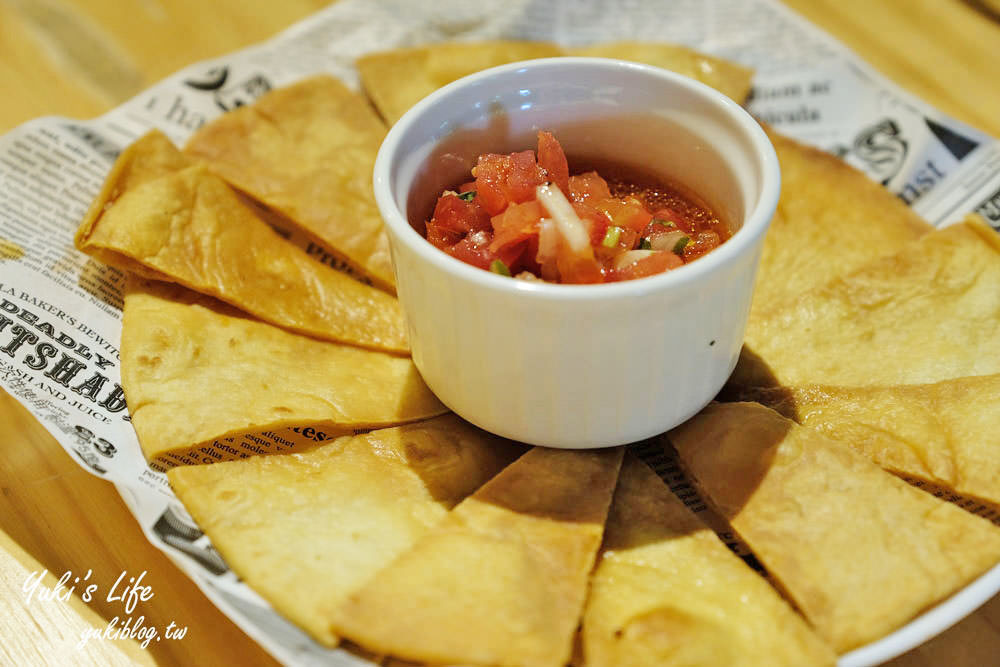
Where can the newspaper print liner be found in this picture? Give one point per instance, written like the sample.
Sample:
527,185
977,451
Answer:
807,85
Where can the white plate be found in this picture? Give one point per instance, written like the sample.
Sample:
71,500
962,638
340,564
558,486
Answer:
929,624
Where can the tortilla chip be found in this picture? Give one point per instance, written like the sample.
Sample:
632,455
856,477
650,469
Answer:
831,220
502,580
943,433
307,151
859,551
727,77
929,313
305,530
195,370
396,80
149,157
183,224
666,591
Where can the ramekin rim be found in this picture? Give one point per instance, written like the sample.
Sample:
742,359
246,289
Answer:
741,243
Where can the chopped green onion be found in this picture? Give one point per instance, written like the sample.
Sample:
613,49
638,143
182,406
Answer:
681,244
497,266
468,196
666,223
644,244
611,237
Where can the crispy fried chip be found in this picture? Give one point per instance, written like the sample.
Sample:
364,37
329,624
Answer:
928,313
831,220
502,580
164,217
195,370
306,529
307,151
943,433
858,550
398,79
149,157
727,77
666,591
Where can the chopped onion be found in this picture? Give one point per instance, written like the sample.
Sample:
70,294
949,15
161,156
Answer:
666,241
631,257
548,241
568,223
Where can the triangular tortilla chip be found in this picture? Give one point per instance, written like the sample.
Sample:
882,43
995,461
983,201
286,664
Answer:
502,580
727,77
666,592
858,550
943,433
398,79
307,151
195,370
831,220
186,225
151,156
928,313
304,530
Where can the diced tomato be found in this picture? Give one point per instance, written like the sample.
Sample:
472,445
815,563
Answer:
670,215
596,221
656,263
628,239
552,159
558,262
548,250
501,218
474,249
516,224
454,214
701,243
583,187
528,259
514,255
507,179
577,269
656,228
440,237
628,213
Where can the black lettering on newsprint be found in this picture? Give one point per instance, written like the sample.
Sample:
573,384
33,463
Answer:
115,401
91,387
65,369
21,336
43,352
989,208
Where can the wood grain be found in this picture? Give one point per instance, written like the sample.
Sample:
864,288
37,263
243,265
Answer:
79,58
67,519
942,51
43,630
39,85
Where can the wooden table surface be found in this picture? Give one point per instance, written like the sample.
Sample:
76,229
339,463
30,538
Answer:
82,57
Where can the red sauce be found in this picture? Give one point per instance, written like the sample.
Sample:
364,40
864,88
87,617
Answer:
527,217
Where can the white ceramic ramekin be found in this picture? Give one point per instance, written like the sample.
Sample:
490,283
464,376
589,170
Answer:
577,366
